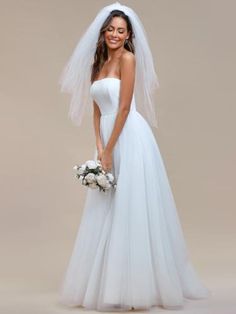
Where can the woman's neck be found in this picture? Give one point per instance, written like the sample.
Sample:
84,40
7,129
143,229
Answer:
115,53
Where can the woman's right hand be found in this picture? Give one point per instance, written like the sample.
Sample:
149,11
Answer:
99,153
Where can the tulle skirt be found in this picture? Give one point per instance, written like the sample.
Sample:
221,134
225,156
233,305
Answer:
130,249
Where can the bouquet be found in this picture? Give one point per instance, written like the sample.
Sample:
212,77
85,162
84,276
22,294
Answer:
92,175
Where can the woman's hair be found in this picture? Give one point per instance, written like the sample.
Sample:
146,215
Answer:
101,54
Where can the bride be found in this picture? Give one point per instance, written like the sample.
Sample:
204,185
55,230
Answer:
130,251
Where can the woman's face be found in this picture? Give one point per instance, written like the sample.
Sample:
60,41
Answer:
116,33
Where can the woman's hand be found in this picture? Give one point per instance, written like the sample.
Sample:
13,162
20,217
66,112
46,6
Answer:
99,153
106,160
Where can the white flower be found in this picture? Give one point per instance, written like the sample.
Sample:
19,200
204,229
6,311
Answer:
93,185
102,180
108,185
81,169
110,176
91,164
90,178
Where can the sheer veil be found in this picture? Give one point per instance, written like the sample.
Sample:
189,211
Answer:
75,77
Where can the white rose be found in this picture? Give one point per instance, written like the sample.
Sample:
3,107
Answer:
102,180
108,185
110,177
93,185
81,169
90,178
91,164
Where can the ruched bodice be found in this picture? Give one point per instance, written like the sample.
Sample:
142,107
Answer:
106,93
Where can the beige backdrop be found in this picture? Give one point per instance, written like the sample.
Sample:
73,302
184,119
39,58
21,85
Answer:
194,49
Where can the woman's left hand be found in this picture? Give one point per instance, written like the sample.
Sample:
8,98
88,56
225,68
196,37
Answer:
106,160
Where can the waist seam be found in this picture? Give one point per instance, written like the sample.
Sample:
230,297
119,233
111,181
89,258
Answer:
115,112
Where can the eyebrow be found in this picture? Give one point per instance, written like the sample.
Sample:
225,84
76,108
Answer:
118,27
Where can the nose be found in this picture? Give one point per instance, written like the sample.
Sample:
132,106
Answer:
114,33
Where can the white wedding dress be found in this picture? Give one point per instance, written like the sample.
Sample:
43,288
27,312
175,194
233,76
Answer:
130,249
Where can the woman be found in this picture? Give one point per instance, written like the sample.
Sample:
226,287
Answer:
130,251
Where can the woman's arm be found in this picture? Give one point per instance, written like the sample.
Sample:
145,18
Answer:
126,93
127,68
96,123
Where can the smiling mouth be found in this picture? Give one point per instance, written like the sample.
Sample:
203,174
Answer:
113,41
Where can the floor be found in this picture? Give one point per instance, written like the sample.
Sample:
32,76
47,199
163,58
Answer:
222,301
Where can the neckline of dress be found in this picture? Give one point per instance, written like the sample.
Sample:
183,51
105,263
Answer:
105,78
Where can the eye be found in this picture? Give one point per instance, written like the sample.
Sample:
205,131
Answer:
110,29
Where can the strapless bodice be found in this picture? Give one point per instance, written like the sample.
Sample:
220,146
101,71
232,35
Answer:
106,93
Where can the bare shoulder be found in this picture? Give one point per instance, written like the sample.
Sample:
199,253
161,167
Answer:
127,64
128,58
127,79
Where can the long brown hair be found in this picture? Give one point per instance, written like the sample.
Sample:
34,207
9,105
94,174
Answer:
101,54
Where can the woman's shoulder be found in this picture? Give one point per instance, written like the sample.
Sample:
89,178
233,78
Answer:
127,62
127,56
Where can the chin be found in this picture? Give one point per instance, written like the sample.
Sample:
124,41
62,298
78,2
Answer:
113,46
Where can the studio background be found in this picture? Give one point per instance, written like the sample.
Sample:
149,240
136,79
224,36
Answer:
194,48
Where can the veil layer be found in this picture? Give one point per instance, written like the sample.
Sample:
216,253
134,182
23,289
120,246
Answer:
75,77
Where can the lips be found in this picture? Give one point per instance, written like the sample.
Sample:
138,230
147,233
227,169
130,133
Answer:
113,41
